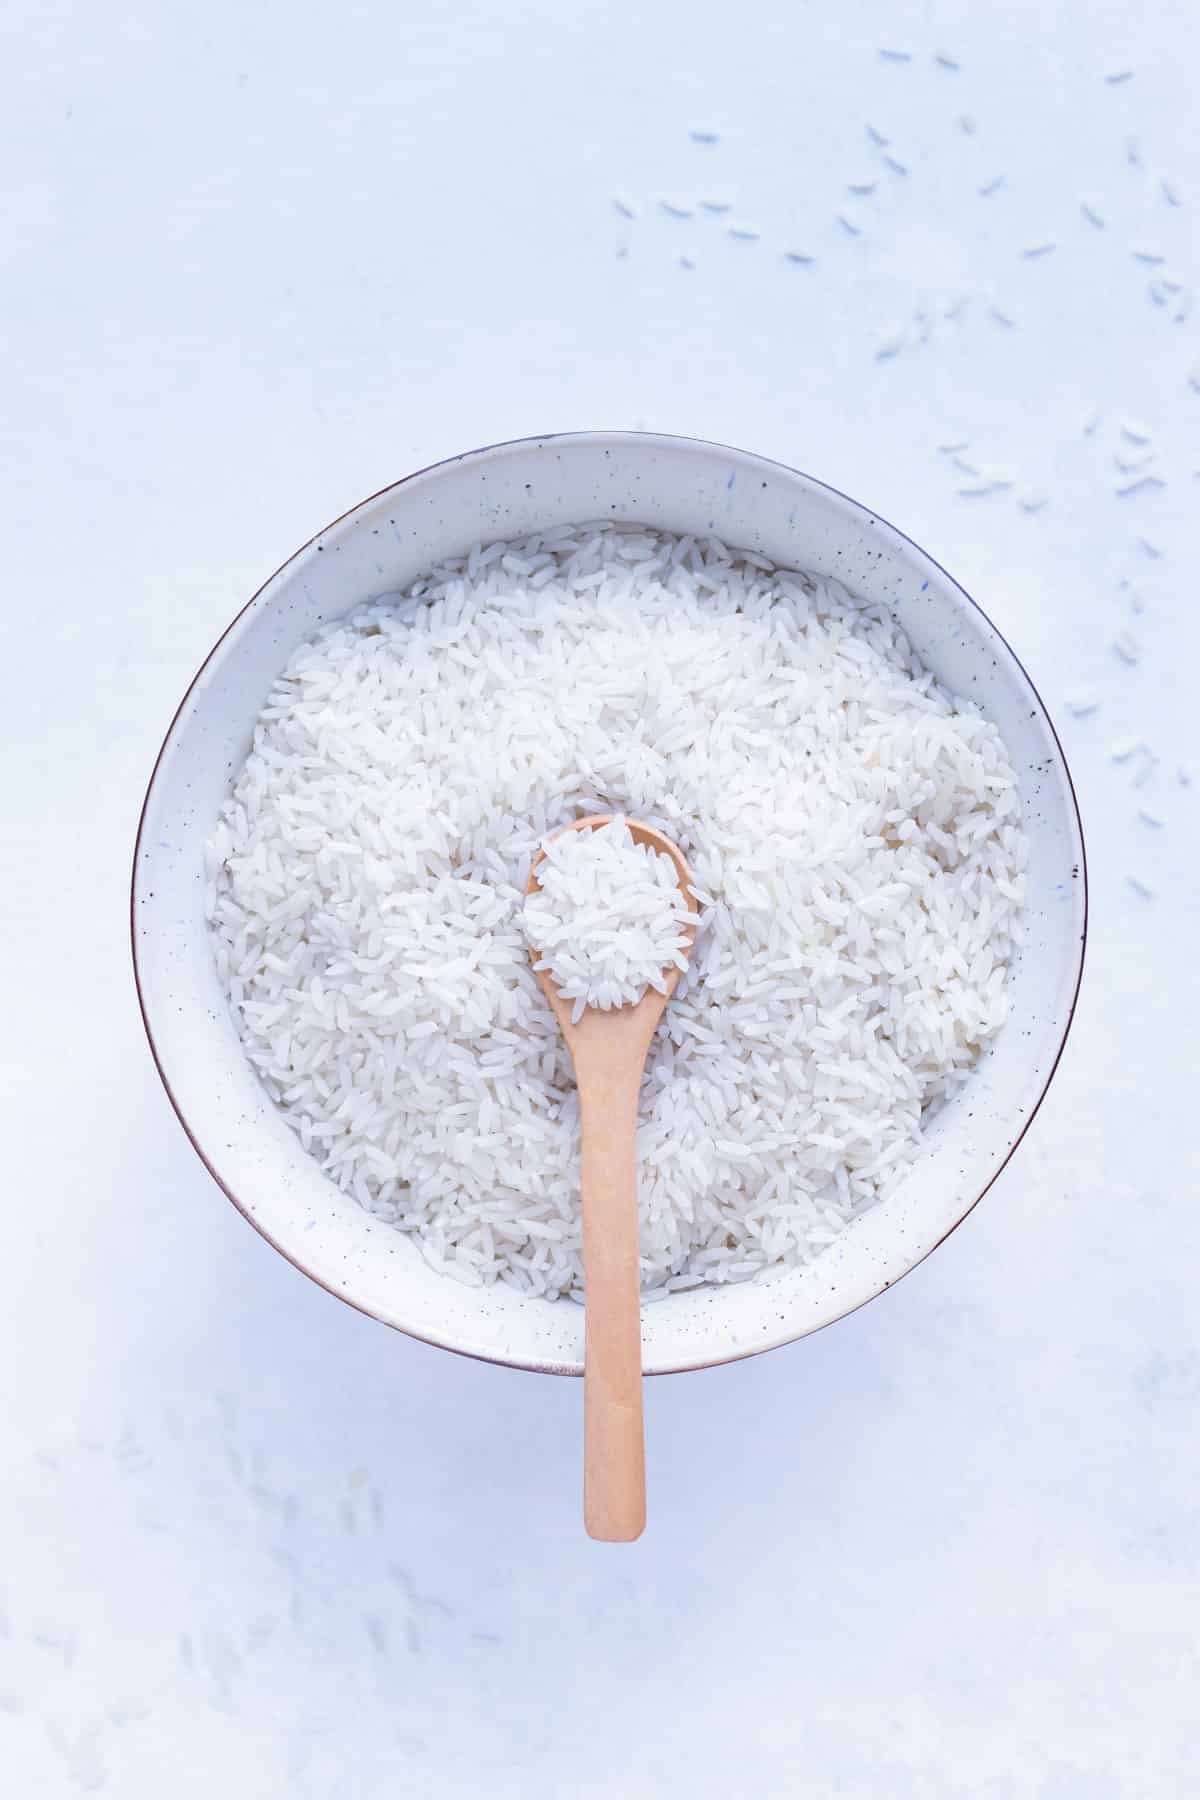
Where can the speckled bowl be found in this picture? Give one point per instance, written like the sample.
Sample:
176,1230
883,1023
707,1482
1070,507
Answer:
509,490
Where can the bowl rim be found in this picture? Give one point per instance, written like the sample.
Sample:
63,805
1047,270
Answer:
616,437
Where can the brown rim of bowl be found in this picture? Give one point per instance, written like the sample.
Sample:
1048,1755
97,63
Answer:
394,487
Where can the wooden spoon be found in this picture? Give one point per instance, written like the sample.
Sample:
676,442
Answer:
609,1050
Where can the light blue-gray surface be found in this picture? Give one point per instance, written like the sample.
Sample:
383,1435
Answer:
258,262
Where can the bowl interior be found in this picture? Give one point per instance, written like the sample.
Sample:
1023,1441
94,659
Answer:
508,491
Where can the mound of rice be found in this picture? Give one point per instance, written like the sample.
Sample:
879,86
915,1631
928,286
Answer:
607,918
855,839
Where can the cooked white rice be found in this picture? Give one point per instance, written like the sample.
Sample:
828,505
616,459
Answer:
607,919
855,838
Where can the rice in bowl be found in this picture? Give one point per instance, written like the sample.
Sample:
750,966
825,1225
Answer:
853,830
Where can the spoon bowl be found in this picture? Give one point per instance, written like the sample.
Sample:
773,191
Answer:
647,1011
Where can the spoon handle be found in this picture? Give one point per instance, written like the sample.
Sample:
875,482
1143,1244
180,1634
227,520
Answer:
614,1462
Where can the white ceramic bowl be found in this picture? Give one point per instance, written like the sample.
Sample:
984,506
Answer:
510,490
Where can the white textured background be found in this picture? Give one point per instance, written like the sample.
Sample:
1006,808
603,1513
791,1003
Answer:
257,261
